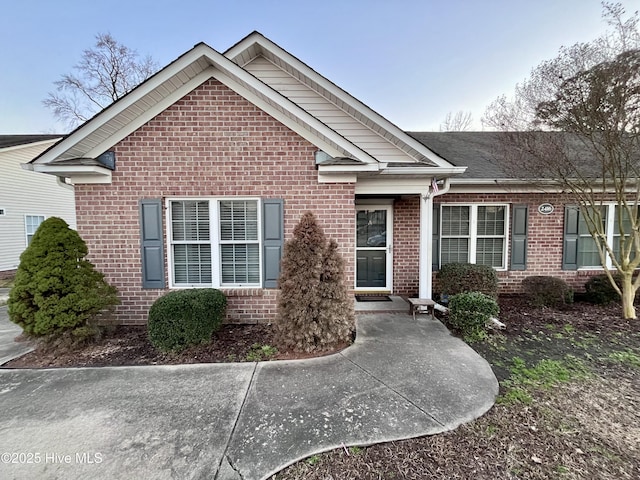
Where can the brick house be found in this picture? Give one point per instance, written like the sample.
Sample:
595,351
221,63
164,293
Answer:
198,176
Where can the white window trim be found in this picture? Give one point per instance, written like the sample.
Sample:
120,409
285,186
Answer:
214,241
473,229
611,211
26,233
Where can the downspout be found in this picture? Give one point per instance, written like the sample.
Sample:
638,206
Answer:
426,239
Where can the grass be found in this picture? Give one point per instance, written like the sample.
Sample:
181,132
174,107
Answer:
260,353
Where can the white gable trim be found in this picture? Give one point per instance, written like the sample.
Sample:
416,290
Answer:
246,50
228,73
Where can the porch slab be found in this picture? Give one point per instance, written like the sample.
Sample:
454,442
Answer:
397,304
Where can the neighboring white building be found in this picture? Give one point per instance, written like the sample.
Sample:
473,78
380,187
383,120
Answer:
27,198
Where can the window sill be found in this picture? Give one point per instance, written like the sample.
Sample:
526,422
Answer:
243,292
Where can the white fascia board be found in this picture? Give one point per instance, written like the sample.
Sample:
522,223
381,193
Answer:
226,71
391,186
86,173
149,114
328,169
79,179
122,104
337,178
339,93
433,171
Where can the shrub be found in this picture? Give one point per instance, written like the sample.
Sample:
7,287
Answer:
185,317
599,289
454,278
544,291
314,308
470,312
56,290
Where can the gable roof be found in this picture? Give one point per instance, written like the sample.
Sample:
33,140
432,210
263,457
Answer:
76,154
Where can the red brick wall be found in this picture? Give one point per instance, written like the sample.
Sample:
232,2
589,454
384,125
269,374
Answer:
406,245
210,143
545,238
544,251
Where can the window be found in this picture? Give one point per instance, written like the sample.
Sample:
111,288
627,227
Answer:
214,242
31,224
3,212
473,234
588,255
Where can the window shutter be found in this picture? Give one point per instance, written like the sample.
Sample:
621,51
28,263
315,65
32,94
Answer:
570,242
435,242
152,251
519,237
272,240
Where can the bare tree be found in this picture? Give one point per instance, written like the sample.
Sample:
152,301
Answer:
105,73
574,124
456,122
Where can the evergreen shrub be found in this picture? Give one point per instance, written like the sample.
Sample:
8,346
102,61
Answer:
600,291
183,318
315,311
470,312
545,291
56,289
454,278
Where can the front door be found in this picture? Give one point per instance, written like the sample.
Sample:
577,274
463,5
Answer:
373,248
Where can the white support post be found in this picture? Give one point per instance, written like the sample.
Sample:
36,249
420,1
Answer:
426,240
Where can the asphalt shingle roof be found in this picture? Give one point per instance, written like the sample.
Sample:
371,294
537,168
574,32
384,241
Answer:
475,150
15,140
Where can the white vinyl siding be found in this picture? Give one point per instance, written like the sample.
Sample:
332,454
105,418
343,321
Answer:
327,111
27,193
31,224
474,234
214,242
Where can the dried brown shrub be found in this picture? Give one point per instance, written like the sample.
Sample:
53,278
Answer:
314,310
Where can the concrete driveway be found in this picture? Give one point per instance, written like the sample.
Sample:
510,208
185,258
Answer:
400,379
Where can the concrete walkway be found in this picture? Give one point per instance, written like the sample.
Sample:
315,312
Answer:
10,349
400,379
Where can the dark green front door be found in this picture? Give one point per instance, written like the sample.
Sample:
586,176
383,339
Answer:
372,248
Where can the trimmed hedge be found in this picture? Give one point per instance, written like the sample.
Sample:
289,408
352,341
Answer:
185,317
470,312
454,278
544,291
599,289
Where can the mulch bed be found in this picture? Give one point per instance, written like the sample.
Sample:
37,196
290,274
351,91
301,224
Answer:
129,345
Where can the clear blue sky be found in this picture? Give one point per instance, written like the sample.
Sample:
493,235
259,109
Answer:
412,61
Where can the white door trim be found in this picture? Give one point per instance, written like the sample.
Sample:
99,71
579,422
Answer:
389,248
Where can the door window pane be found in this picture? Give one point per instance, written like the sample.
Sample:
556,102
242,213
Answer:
371,228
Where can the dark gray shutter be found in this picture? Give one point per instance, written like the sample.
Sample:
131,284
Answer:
151,243
519,237
570,242
272,240
435,241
